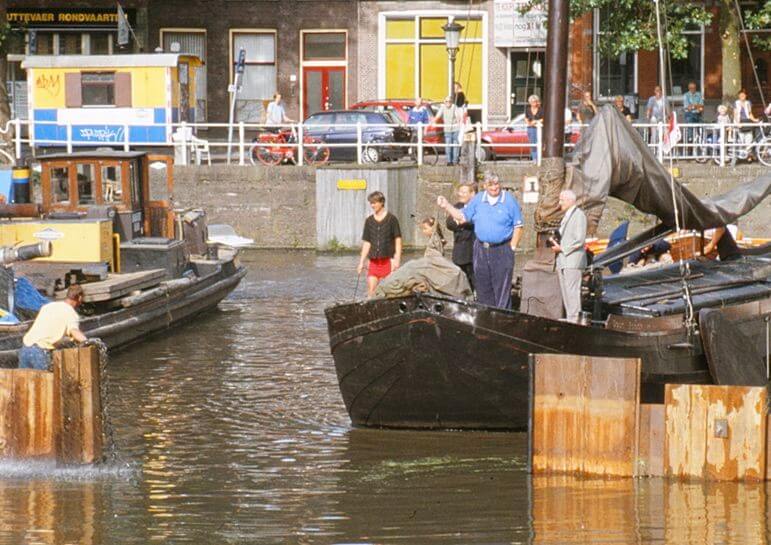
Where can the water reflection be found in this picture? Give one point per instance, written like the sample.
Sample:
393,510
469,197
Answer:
569,510
50,513
232,430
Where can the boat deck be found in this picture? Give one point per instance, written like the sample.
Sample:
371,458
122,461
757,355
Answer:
713,283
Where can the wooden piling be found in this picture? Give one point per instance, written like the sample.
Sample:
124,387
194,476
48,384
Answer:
53,415
78,422
584,414
715,432
586,418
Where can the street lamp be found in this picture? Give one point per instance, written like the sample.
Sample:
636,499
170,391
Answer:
452,32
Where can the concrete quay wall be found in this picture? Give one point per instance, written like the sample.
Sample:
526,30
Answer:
276,206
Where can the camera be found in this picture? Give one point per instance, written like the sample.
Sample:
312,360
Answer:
553,237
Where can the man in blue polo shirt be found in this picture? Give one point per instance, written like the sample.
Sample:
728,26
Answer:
498,224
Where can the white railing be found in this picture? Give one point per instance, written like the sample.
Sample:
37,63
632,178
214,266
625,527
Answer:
721,143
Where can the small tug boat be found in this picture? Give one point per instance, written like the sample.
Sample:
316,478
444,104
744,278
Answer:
108,216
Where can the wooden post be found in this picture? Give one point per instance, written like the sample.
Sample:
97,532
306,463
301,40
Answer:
26,413
585,415
77,406
715,432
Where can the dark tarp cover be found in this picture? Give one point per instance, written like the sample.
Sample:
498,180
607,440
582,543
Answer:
611,159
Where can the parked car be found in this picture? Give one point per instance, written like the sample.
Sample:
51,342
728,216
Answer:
401,109
339,127
511,140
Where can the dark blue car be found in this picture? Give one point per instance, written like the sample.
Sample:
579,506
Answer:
339,127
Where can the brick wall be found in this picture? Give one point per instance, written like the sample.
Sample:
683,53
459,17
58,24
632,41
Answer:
288,18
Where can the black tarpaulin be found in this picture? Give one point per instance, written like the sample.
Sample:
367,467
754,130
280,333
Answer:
611,159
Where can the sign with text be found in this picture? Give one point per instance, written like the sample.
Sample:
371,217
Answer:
54,18
352,184
512,28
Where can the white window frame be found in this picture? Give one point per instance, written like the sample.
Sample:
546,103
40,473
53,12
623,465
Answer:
231,53
459,16
321,63
192,30
596,90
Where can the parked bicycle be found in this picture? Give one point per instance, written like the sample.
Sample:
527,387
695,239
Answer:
708,146
270,148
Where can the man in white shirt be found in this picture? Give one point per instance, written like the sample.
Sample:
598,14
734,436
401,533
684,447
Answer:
275,114
54,322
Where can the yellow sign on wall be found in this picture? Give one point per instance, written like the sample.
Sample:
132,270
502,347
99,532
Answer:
352,184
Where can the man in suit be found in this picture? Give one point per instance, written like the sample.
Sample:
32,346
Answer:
463,248
571,257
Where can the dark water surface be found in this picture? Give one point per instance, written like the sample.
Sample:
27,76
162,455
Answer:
232,430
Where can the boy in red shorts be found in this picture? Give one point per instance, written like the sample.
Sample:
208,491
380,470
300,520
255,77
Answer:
382,243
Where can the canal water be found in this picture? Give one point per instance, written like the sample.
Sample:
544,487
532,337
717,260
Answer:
231,429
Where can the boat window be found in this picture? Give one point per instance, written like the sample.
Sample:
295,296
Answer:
86,183
134,184
60,184
112,186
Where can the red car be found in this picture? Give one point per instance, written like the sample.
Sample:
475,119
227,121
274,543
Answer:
401,108
511,141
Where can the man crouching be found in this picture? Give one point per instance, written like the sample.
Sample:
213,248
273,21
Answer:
54,322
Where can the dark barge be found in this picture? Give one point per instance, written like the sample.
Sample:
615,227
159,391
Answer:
428,361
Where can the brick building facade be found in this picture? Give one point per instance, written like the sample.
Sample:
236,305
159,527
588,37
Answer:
331,54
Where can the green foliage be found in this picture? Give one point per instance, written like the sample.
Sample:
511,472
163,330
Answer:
630,25
760,19
336,246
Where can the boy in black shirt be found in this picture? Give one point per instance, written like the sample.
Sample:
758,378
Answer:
382,243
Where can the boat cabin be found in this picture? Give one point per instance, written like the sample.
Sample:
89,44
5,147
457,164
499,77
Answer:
134,188
91,100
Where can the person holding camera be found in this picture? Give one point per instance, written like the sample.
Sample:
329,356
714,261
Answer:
571,257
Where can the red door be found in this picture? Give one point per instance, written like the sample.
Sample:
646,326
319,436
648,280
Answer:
323,89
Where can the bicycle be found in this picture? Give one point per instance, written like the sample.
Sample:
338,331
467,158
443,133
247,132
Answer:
709,146
272,149
373,152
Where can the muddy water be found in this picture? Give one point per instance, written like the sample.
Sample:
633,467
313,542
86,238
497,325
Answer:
232,430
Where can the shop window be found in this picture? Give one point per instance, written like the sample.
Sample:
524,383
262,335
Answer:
430,76
60,185
86,183
42,43
112,184
98,89
192,42
323,46
70,43
100,43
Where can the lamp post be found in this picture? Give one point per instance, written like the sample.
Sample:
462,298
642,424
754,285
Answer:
452,32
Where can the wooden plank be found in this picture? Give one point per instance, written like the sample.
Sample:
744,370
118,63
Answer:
557,437
118,285
612,419
741,454
650,459
715,432
585,415
90,403
70,447
6,393
33,398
